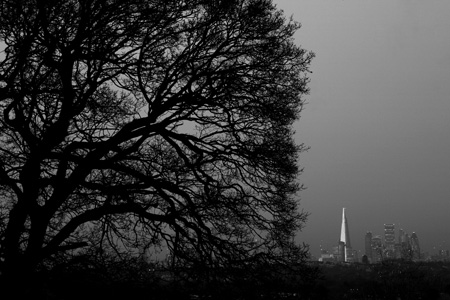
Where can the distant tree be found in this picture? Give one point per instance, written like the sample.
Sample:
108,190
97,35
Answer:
129,124
365,259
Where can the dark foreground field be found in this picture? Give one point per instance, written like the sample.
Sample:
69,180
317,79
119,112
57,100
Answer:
389,280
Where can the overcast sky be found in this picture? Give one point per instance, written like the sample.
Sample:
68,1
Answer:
378,118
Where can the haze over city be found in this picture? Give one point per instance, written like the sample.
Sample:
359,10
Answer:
376,119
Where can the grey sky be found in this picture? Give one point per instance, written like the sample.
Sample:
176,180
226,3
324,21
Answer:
378,119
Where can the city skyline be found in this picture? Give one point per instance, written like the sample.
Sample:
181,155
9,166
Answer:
360,241
392,243
389,237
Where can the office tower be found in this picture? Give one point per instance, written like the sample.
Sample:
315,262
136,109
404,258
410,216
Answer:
401,236
402,246
415,246
389,235
345,238
389,240
368,245
377,248
398,253
407,239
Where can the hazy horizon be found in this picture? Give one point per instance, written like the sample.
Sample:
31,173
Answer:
376,119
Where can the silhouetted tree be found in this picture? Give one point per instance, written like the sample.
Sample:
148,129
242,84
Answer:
129,124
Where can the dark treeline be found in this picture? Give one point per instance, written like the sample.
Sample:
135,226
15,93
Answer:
88,278
392,279
395,280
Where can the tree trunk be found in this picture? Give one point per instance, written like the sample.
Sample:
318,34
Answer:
17,270
18,281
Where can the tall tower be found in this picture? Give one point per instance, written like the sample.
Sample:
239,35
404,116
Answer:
345,237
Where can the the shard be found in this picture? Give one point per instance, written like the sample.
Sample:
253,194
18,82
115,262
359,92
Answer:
345,237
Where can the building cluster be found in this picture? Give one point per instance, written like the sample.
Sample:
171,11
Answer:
377,247
402,247
442,255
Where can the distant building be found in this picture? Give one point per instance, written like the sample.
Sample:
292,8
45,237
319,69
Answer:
444,253
398,250
389,240
403,248
389,235
415,248
377,249
354,256
401,236
325,256
341,252
406,247
368,246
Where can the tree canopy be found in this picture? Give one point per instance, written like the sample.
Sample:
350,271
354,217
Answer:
131,124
